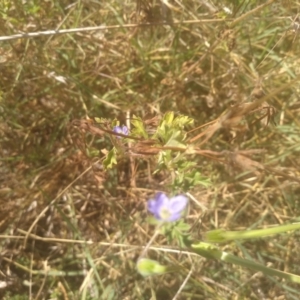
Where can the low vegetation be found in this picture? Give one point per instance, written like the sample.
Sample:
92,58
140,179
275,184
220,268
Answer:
106,103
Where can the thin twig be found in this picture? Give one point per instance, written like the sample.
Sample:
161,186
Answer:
184,283
247,14
156,233
26,35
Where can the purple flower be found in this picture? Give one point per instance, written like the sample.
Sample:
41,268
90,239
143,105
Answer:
166,209
123,130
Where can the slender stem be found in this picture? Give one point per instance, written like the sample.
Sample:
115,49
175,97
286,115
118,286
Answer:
25,35
157,231
212,252
247,14
219,236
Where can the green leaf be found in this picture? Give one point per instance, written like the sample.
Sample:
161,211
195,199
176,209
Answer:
100,120
210,251
182,226
174,143
194,178
187,177
93,152
169,117
114,123
139,129
182,121
220,235
148,267
111,159
207,250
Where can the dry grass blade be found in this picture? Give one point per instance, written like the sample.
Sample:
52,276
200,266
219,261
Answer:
233,116
236,159
99,28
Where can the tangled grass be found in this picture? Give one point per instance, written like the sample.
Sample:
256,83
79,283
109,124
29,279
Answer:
70,229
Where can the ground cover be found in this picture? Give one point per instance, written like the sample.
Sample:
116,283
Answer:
72,229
